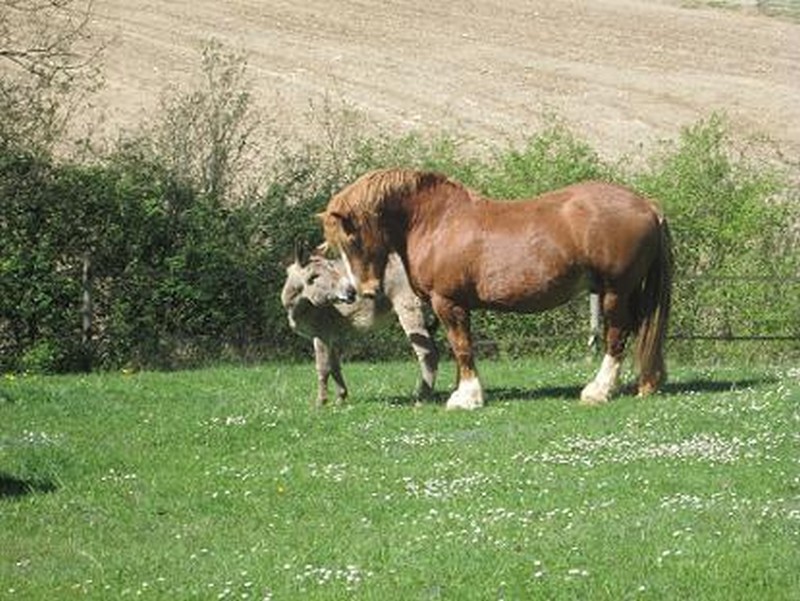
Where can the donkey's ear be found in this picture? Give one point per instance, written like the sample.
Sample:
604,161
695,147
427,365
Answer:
300,252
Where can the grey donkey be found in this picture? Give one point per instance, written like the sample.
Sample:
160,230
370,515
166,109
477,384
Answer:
321,305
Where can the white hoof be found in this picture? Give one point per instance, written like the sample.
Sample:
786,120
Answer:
604,384
594,394
468,395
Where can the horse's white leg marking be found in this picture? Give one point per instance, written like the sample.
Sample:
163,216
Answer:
349,270
594,321
409,311
605,382
468,395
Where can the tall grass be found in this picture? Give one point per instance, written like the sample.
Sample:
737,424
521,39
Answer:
224,484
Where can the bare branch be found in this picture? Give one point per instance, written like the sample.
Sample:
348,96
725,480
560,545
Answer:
47,65
42,36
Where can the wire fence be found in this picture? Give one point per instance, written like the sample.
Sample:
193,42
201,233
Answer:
708,313
736,308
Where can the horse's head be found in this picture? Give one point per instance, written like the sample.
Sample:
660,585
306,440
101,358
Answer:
366,221
316,280
361,245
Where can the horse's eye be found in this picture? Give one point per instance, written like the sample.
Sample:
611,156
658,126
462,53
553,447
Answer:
312,278
356,243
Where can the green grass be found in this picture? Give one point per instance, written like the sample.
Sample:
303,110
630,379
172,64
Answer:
225,484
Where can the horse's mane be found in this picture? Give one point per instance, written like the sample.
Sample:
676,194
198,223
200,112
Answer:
366,201
371,192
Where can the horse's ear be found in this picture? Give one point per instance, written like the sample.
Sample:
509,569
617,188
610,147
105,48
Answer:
344,220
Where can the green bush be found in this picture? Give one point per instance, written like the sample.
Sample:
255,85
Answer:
35,284
182,278
551,159
724,210
732,215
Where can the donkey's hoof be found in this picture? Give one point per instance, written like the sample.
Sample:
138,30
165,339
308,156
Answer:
468,395
594,394
423,392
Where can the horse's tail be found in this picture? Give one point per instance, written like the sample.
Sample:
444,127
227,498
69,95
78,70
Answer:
656,299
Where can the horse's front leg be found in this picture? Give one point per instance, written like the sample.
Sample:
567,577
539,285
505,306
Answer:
411,316
469,393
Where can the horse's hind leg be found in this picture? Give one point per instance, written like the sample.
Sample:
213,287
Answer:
618,323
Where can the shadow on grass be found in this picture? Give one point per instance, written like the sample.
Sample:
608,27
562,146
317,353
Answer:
697,385
670,388
12,487
516,393
492,395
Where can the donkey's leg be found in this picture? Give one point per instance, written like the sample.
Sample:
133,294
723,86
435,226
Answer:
469,393
322,360
336,372
412,320
617,328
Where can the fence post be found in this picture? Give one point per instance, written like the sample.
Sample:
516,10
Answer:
87,311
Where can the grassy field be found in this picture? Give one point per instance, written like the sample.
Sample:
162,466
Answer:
224,484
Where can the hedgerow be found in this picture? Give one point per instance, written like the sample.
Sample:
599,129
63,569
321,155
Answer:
143,257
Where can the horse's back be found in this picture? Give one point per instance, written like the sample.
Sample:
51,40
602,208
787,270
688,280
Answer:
611,226
532,255
594,204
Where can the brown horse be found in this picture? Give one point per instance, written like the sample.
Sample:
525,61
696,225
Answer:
463,252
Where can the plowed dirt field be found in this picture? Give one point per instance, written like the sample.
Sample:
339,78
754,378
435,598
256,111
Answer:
621,73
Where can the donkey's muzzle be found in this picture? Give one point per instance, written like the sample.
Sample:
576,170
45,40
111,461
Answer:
349,295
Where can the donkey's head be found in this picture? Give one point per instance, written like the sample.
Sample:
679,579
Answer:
317,280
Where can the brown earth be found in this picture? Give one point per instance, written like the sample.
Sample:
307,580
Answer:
621,73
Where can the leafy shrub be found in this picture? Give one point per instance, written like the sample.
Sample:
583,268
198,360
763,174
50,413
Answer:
723,209
731,215
551,159
181,276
